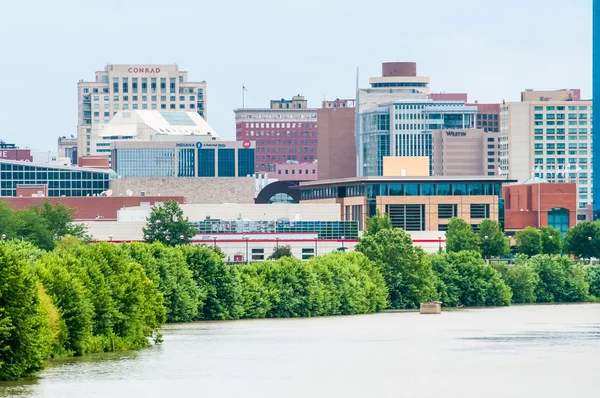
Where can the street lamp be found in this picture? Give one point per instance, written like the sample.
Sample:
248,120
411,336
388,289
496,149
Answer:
590,240
343,248
168,238
246,239
110,238
277,243
439,244
214,243
181,238
3,236
485,250
147,236
316,248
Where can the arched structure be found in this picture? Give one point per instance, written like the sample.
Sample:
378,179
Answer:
268,194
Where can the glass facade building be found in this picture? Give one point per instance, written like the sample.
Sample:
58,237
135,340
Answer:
404,128
596,96
325,229
61,181
182,159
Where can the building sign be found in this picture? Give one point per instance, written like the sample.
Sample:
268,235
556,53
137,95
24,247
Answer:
201,145
456,133
246,144
16,154
143,70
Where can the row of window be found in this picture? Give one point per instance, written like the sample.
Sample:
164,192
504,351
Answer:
306,171
282,125
324,229
561,108
293,133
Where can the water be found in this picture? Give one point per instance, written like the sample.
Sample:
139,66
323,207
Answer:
534,351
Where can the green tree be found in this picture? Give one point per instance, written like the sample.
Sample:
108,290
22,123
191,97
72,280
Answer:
561,279
25,337
281,251
167,225
465,279
529,241
31,227
460,236
59,220
593,279
405,268
377,223
583,240
220,282
493,241
167,268
521,278
552,242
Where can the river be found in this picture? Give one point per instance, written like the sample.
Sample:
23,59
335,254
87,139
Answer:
519,351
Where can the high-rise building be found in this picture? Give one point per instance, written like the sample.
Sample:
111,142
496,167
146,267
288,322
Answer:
404,128
337,148
550,140
286,131
596,96
123,87
465,153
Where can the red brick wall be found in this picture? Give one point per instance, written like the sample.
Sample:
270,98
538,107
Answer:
88,208
525,198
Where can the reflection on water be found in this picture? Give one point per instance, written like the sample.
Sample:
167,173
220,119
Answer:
537,351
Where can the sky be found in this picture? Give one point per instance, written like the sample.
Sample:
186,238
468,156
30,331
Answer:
277,49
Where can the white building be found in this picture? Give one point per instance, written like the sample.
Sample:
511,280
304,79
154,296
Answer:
132,87
551,140
148,125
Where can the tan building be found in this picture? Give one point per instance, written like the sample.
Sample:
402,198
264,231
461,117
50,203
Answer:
132,87
297,102
412,203
550,140
469,152
551,95
336,149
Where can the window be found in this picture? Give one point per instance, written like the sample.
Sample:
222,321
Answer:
460,189
206,163
172,85
447,211
163,84
444,189
407,217
480,211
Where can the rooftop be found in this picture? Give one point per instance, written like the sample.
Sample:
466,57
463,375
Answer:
387,180
59,167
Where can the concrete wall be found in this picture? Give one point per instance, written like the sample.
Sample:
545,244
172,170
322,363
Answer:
406,166
196,190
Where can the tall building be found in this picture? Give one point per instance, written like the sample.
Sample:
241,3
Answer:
488,117
124,87
67,148
337,147
404,128
286,131
465,152
551,140
596,96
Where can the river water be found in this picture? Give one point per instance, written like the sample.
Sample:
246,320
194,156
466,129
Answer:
529,351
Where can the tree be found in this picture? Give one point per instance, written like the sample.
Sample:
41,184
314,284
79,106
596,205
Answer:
521,278
377,223
59,220
25,338
493,241
281,251
593,279
465,279
460,236
405,268
529,241
552,242
583,240
167,225
561,280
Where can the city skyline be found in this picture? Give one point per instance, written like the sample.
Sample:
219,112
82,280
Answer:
490,57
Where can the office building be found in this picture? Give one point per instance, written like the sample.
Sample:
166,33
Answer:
538,203
336,149
294,171
133,87
151,126
488,115
19,178
12,152
465,152
67,148
404,128
550,140
412,203
137,158
286,131
596,97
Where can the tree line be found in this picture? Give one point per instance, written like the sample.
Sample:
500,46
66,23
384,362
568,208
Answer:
76,297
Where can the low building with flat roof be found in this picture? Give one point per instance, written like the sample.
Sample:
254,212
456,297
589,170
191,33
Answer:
412,203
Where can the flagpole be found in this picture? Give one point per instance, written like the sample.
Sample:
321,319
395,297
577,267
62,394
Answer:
243,97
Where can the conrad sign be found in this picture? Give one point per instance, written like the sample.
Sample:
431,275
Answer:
143,70
456,133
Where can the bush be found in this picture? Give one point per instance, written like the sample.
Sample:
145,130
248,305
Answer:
522,280
26,318
561,279
464,279
593,279
405,268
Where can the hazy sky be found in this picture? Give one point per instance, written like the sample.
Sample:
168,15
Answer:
491,50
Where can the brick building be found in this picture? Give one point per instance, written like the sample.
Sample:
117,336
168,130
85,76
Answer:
336,149
287,130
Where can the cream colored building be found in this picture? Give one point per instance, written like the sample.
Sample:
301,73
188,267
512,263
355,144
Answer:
133,87
465,152
548,139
